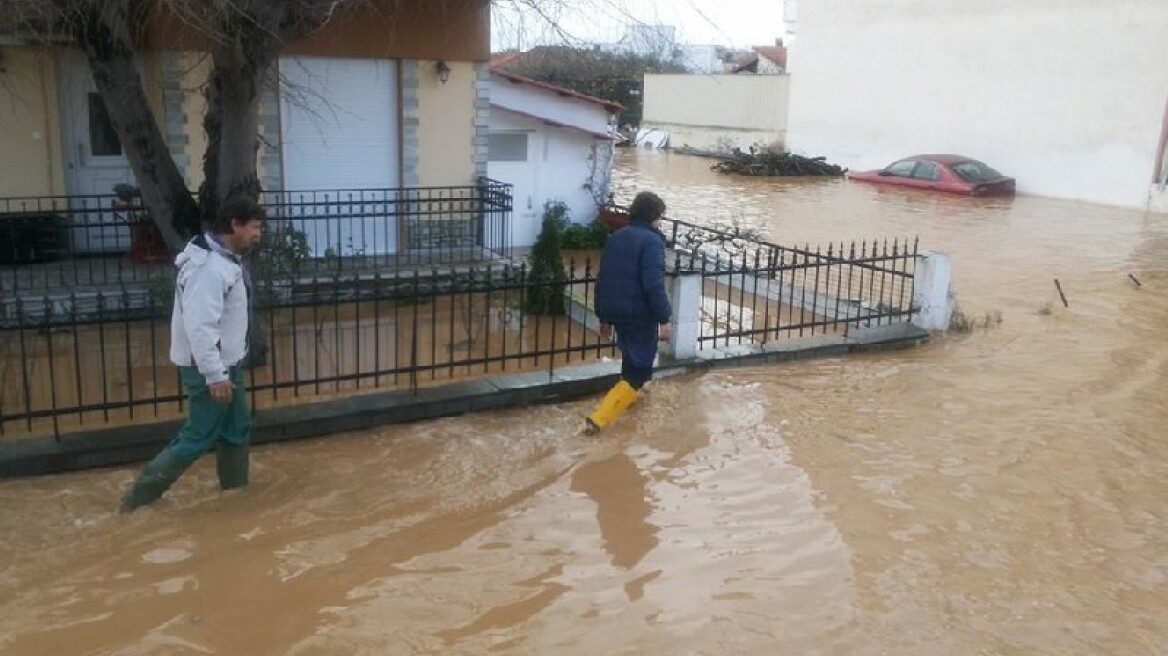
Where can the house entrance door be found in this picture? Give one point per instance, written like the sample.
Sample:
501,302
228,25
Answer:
511,160
94,160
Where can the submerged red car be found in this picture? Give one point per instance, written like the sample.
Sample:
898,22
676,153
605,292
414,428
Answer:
949,173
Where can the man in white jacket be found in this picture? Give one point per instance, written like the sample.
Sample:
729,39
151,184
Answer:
208,342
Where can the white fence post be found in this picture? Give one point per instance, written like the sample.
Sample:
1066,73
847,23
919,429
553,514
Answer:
931,291
686,296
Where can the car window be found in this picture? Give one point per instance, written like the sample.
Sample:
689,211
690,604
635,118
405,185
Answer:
903,168
974,171
927,171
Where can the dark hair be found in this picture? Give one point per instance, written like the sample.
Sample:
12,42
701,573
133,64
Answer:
237,208
647,207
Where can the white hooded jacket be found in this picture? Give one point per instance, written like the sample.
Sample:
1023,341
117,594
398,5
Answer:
208,328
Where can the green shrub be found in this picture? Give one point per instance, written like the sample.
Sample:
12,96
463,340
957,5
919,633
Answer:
585,237
546,279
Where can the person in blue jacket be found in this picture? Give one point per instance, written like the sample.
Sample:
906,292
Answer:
631,299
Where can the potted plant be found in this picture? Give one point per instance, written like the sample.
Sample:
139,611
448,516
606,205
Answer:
613,216
146,243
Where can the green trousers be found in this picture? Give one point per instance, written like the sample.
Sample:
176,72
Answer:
226,427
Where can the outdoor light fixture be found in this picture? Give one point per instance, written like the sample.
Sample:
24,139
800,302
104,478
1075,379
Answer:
443,71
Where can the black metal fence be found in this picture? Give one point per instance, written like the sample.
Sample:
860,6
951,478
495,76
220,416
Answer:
756,291
90,358
101,359
96,241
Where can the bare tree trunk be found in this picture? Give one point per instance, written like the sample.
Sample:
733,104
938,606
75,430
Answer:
212,126
239,139
105,37
229,165
240,64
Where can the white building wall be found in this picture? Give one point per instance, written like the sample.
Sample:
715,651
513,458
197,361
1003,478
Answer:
708,111
1068,96
567,169
790,22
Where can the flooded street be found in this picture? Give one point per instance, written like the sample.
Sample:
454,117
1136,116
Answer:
1000,492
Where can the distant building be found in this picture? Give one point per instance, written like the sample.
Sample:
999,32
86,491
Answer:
765,60
704,59
790,21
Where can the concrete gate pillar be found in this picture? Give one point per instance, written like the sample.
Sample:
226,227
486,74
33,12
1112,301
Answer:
686,297
931,291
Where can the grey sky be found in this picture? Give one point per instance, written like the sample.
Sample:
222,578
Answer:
721,22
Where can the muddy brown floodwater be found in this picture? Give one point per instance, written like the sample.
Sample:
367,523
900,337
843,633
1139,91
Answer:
1000,492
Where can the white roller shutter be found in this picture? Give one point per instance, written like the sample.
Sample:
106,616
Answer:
340,132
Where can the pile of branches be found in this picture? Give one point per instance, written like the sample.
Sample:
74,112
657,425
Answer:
775,163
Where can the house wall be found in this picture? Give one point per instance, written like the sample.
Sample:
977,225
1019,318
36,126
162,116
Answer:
567,168
30,144
456,30
446,124
712,111
438,147
1068,96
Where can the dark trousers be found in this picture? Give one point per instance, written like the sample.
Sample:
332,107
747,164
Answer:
225,427
637,342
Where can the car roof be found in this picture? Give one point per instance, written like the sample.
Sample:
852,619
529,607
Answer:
944,159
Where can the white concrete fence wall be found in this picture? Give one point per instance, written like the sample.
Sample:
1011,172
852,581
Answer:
708,111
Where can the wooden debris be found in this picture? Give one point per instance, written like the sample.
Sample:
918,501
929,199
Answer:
1135,280
1063,296
768,163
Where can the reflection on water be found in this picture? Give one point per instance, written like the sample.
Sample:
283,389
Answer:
1000,492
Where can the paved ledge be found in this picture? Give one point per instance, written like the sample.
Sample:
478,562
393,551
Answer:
125,444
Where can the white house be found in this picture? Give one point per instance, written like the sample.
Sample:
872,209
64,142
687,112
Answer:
552,144
386,96
1068,96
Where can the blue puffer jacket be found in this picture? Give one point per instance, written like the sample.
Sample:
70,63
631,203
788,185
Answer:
631,284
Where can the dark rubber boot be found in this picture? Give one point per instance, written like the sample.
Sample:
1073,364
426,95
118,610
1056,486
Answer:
233,463
154,480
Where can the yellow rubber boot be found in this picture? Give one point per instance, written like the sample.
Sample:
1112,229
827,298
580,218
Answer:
618,399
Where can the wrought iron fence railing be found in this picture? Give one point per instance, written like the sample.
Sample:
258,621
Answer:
756,291
98,357
63,242
101,359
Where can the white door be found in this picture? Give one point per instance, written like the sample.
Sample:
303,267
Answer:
341,150
94,160
511,159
